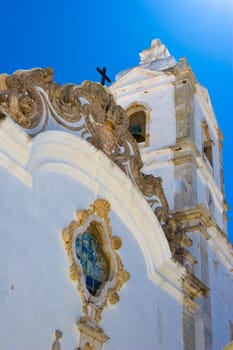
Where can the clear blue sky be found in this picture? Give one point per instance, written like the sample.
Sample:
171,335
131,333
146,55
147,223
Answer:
75,36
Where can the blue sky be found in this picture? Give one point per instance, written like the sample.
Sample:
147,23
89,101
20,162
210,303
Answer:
75,36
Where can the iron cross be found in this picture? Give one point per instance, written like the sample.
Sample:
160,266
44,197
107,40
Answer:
103,75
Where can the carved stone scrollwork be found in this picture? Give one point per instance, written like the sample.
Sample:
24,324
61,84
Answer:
177,238
31,98
179,243
19,97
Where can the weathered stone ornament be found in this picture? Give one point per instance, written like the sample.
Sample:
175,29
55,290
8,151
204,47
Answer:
95,266
56,345
32,100
177,238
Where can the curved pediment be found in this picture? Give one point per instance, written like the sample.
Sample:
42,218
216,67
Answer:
89,111
59,152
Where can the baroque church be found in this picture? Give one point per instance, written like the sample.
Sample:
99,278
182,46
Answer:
113,213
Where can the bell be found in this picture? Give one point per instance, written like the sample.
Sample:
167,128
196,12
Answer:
136,131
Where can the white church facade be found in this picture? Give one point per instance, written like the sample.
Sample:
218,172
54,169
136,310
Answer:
113,214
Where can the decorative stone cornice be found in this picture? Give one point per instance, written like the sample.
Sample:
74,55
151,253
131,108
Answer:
193,287
195,215
198,219
34,101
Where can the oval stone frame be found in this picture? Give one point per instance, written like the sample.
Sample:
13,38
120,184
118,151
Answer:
96,216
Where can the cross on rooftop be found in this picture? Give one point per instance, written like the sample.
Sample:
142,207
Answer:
103,75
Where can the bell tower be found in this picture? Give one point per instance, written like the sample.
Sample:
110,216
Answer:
172,119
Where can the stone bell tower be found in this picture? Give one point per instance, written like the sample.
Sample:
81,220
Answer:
172,119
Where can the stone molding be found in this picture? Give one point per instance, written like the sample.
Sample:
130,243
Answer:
90,338
128,83
15,148
184,153
198,219
193,287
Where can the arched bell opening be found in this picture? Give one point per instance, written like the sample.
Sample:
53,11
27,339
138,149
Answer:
137,126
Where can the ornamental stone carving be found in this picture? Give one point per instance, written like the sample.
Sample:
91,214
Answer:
56,345
32,100
177,237
94,222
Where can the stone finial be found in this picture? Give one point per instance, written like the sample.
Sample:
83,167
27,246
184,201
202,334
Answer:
157,51
56,345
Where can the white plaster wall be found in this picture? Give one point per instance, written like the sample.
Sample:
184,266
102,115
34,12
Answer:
158,94
36,265
221,284
165,170
37,295
35,262
163,117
